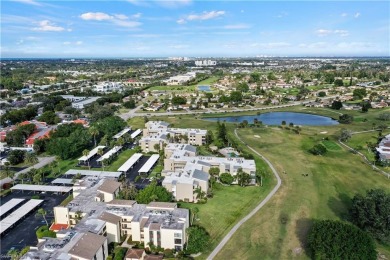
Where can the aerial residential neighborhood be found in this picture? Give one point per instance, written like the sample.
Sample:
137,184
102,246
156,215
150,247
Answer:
185,129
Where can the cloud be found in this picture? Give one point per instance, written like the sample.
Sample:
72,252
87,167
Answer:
237,26
73,43
357,15
201,17
344,15
136,16
174,3
179,46
325,32
29,2
96,16
48,26
145,35
282,14
117,19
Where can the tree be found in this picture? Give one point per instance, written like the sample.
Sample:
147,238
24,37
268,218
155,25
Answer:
49,117
242,87
105,163
178,100
128,192
329,239
43,213
338,83
16,157
94,132
336,104
156,147
14,254
120,141
226,178
199,193
86,153
152,192
371,213
243,178
194,212
214,172
318,149
366,106
345,119
359,93
209,137
129,104
345,135
321,94
30,158
110,125
236,96
7,169
198,239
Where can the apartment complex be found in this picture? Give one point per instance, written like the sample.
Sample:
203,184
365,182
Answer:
185,171
383,150
94,218
159,132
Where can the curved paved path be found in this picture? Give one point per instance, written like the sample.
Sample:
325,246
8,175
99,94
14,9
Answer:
253,212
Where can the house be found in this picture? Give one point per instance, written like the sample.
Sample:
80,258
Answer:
90,246
135,254
159,133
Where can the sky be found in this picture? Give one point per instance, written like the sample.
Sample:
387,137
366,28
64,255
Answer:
190,28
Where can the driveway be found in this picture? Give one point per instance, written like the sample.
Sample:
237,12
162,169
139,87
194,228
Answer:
42,161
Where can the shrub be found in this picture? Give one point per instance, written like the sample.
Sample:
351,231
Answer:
16,157
318,149
119,253
198,239
44,232
168,253
336,240
226,178
345,119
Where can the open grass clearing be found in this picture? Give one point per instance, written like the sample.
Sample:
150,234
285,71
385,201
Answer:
325,193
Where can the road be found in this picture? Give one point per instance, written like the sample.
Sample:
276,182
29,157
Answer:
255,210
133,112
42,161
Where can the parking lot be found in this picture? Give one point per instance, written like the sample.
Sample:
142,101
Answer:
23,233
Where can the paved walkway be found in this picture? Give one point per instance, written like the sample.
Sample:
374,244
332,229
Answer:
255,210
42,161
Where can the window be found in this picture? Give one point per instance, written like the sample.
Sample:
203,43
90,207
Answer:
177,241
177,235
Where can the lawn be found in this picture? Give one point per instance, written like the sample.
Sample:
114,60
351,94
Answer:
120,160
330,145
184,89
325,193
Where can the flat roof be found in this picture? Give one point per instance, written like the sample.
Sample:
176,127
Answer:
136,133
49,188
110,153
121,133
94,173
149,164
130,162
9,205
92,153
15,216
62,181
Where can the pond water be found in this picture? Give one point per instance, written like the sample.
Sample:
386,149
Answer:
276,118
204,88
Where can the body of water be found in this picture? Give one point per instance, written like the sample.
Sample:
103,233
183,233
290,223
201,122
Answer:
204,88
276,118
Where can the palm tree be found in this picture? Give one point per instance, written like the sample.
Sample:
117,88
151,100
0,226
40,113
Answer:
31,158
53,165
104,163
156,147
14,254
85,153
194,212
7,169
104,140
120,141
94,132
199,193
43,213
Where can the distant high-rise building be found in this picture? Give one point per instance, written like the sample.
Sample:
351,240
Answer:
205,63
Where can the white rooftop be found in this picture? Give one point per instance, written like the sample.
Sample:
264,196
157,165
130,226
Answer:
110,153
15,216
149,164
62,181
9,205
136,133
100,174
45,188
121,133
130,162
92,153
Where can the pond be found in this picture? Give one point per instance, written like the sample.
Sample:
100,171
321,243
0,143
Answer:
204,88
276,118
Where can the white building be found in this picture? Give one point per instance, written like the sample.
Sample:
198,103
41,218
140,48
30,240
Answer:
108,87
205,63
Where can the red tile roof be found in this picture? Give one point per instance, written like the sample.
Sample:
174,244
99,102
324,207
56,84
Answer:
58,227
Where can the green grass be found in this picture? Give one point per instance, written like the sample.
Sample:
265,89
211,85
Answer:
325,193
223,211
330,145
183,89
120,160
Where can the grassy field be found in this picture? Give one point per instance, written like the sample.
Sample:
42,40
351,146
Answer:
279,231
183,89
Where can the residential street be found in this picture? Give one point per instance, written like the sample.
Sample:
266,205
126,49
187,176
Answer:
43,161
